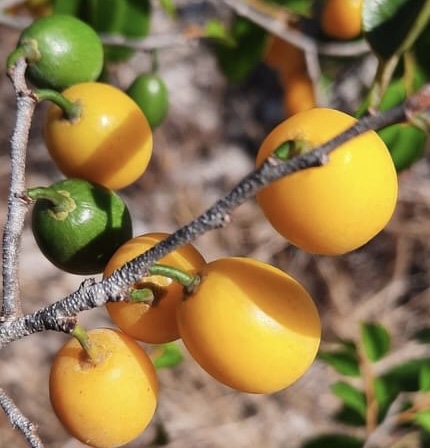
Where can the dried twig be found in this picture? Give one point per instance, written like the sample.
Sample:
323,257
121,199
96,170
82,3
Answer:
11,306
18,420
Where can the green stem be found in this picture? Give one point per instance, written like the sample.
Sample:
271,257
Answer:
26,50
382,80
82,337
387,67
154,61
61,203
144,295
71,109
291,148
182,277
415,30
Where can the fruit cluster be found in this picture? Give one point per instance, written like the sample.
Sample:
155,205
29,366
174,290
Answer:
248,324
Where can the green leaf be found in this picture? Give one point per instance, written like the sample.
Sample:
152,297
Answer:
239,61
376,340
301,7
344,362
423,335
388,24
334,441
168,7
216,30
406,144
406,377
422,419
70,7
350,417
167,355
351,396
385,393
424,378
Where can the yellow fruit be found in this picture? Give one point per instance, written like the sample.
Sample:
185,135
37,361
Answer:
337,207
105,403
250,325
155,323
341,19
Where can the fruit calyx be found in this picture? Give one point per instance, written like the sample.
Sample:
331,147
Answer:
92,354
61,200
292,148
28,50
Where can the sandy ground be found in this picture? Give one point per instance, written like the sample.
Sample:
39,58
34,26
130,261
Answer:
203,148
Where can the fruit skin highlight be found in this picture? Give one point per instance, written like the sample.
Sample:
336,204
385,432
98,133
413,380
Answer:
340,206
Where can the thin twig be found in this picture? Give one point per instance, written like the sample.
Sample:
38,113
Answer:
18,420
151,42
11,305
60,316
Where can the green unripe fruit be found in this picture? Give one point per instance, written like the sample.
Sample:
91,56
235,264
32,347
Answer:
61,51
78,225
150,93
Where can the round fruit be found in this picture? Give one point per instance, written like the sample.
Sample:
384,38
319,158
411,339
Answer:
151,95
108,401
69,51
299,94
340,206
78,225
155,323
250,325
341,19
284,57
109,143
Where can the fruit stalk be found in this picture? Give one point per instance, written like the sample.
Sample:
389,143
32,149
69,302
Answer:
91,353
182,277
71,109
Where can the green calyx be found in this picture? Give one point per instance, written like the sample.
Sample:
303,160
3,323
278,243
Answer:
142,295
28,50
291,148
62,203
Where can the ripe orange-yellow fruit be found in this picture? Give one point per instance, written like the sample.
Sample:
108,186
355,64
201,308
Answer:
155,323
108,401
299,94
250,325
341,19
339,206
284,57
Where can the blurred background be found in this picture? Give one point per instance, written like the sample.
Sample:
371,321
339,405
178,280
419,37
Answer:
206,144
